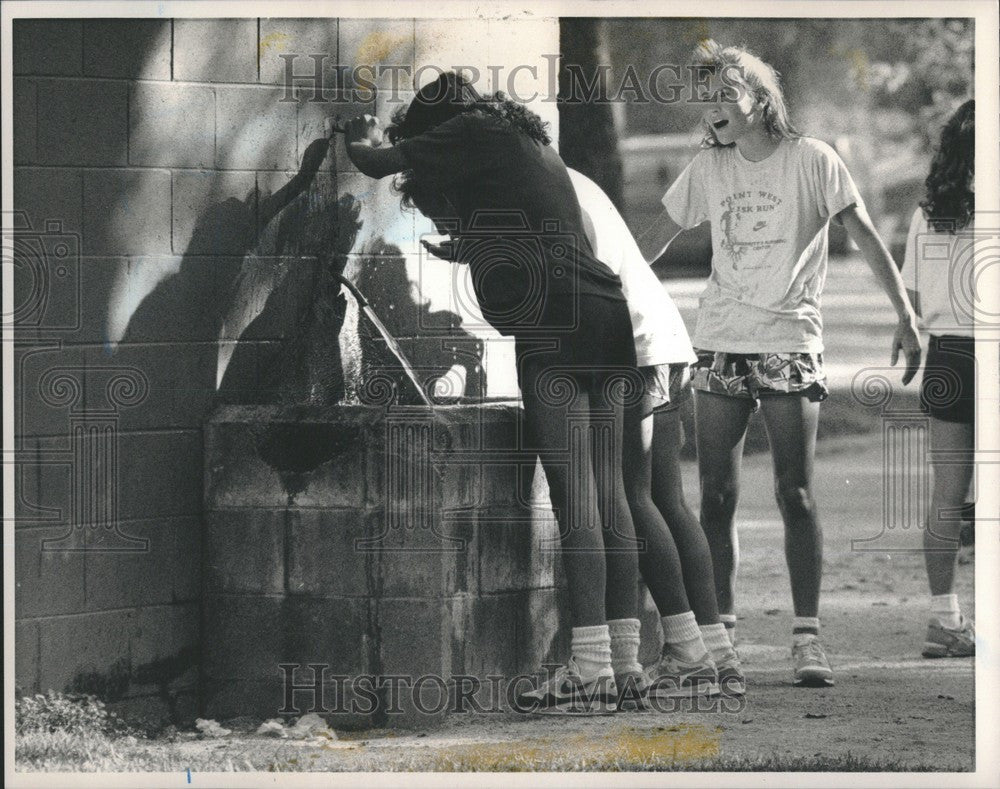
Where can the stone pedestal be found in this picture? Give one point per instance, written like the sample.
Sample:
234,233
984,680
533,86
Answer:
378,554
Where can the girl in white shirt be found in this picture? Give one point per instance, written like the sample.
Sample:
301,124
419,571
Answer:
940,251
769,194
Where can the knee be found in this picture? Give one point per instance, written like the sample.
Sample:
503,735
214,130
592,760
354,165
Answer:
795,501
718,500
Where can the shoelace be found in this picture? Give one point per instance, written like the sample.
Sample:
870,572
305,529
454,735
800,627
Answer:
812,650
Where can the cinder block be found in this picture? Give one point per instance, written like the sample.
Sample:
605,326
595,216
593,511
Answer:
514,554
253,635
213,213
301,38
450,44
312,116
379,44
418,637
159,474
424,555
198,58
49,193
172,298
491,643
543,634
164,648
187,559
310,225
51,388
125,579
48,582
48,46
327,553
43,485
255,130
387,229
314,464
524,54
179,380
129,48
86,652
25,127
26,657
82,122
126,212
432,360
171,125
245,551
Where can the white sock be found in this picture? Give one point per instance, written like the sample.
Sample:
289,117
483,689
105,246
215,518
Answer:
729,622
681,633
805,628
591,649
624,645
945,608
716,640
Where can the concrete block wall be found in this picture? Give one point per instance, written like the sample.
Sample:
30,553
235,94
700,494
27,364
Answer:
376,544
144,151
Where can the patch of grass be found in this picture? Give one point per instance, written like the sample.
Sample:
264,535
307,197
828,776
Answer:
67,714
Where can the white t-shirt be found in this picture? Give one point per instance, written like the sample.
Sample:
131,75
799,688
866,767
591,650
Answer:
660,334
938,266
769,242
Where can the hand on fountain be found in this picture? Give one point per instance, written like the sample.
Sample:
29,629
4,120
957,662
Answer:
364,129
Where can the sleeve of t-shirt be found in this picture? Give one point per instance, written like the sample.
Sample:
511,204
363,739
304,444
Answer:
836,189
447,154
918,225
685,200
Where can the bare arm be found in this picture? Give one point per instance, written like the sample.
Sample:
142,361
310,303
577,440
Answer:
859,225
657,236
363,136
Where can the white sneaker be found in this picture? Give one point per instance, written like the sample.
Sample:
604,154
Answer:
567,693
812,669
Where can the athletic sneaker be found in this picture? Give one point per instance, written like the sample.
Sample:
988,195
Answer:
672,677
631,687
567,693
731,679
944,641
812,669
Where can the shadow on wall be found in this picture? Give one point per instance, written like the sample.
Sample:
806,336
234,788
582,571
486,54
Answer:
262,282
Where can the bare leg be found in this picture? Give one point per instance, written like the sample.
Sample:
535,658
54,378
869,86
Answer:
569,471
607,432
952,445
658,558
688,536
721,426
791,423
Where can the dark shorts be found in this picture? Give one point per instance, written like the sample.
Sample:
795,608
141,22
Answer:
948,388
750,375
665,387
597,354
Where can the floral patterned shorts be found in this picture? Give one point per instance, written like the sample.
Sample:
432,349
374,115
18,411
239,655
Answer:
750,375
667,386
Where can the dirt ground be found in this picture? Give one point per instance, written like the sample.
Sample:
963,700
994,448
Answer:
890,709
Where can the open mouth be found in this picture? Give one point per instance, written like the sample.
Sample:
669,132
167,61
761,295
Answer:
720,124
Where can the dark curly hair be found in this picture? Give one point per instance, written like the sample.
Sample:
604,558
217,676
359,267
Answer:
439,101
950,202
